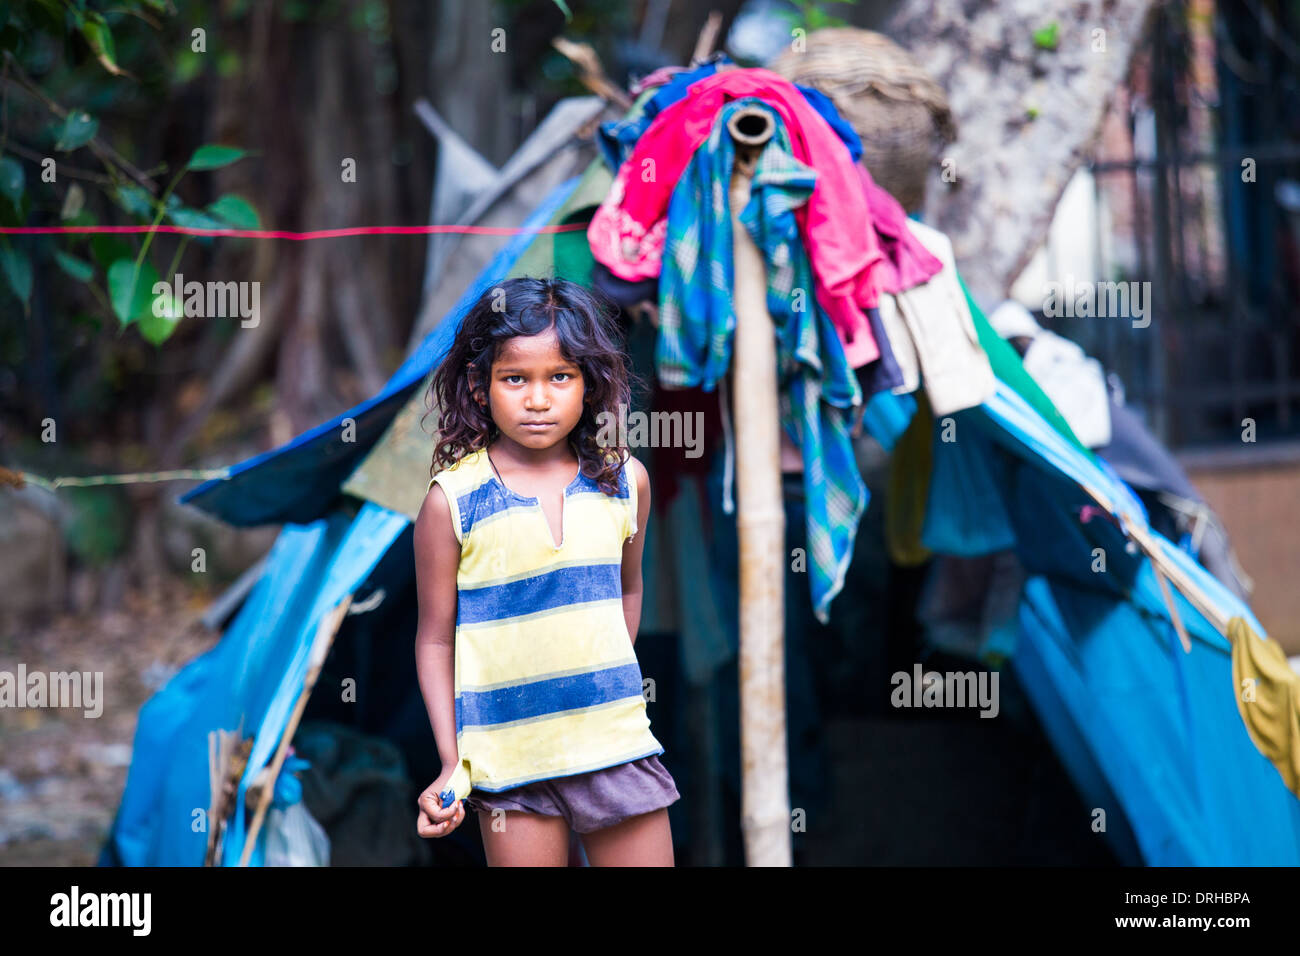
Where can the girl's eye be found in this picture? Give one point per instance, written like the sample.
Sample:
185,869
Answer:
563,375
509,377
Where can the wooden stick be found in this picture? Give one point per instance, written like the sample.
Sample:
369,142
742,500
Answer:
591,73
1161,565
765,795
708,38
329,626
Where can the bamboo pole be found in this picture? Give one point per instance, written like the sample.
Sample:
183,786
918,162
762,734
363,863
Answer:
765,797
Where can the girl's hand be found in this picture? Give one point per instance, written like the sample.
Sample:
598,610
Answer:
434,821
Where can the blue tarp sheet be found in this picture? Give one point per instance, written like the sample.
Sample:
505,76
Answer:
1150,734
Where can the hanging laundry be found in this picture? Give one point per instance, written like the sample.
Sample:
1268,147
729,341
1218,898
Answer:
617,139
1008,369
907,262
884,374
817,389
908,492
627,232
1075,383
933,336
1267,692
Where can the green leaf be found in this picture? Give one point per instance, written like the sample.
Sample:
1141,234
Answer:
1048,37
131,303
77,130
214,157
193,219
139,203
158,328
100,39
17,268
134,200
236,211
79,269
12,179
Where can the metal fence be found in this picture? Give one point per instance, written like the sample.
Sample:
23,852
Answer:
1216,232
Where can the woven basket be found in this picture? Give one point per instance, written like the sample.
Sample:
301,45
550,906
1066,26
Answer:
901,113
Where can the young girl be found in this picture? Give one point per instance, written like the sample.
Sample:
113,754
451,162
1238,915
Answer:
528,570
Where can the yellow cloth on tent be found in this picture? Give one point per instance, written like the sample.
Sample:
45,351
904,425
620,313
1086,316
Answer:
1270,707
909,487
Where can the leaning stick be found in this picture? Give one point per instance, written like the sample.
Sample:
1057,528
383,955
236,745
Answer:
325,631
708,38
765,798
591,73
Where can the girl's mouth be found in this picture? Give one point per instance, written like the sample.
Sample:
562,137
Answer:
537,426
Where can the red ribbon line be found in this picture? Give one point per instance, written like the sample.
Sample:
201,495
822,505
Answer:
285,234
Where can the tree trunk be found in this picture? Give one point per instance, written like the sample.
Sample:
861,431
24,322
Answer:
1025,115
312,95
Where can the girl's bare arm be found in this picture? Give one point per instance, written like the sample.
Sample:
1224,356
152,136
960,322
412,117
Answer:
632,550
437,557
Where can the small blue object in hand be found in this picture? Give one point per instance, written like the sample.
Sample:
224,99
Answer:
448,797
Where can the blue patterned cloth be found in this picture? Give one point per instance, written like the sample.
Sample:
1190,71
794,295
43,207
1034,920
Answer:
818,391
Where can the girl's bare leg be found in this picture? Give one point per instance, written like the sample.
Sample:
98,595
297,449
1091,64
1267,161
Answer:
515,838
642,840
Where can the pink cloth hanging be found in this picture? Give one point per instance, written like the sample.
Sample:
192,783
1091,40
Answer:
627,231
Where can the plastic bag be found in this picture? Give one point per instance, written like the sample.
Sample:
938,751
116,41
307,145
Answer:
294,838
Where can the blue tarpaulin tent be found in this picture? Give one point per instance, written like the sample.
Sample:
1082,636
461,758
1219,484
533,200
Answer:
1149,734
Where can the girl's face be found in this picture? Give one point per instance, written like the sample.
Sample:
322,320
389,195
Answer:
535,393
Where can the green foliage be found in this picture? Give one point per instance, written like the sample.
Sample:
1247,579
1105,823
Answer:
71,57
1048,37
17,269
810,16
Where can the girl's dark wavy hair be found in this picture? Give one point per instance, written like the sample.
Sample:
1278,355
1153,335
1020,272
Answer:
589,337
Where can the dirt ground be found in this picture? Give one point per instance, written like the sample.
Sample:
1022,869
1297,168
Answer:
62,773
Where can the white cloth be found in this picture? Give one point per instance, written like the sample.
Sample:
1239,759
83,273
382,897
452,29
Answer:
1075,383
933,336
1012,320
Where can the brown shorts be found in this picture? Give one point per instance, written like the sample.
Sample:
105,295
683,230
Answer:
588,801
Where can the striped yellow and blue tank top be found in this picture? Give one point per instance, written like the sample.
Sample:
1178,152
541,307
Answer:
547,682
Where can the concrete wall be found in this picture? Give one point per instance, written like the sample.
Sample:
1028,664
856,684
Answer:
1256,491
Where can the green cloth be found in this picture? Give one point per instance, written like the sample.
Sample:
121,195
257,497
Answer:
567,255
1007,366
